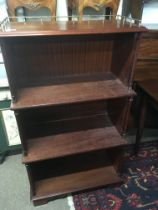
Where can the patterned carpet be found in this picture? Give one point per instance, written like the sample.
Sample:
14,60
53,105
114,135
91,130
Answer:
138,191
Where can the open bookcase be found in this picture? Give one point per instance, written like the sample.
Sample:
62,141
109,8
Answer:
71,93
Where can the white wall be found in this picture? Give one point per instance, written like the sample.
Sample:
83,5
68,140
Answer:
3,10
150,12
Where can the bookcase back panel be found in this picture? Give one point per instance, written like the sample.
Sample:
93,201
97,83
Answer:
47,121
52,120
70,164
65,126
119,110
45,60
60,112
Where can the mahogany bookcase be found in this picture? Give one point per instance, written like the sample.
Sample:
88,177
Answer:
71,93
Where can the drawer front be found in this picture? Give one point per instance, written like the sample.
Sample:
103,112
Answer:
146,69
148,48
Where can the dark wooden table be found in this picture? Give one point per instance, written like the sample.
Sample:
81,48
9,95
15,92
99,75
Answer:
148,96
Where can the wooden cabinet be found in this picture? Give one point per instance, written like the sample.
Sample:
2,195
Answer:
147,63
71,89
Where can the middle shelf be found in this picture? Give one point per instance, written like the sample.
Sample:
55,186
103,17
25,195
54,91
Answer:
65,144
59,131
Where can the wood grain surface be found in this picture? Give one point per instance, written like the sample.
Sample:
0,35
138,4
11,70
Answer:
75,182
70,93
72,143
63,28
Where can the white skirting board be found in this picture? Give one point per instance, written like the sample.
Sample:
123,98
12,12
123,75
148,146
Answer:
11,128
70,203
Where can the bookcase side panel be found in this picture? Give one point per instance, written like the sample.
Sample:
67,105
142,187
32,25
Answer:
124,57
11,75
119,110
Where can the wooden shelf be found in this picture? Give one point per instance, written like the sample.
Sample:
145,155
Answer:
70,93
78,181
62,28
72,143
71,175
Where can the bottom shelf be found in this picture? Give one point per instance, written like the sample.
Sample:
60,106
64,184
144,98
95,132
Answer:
62,176
76,182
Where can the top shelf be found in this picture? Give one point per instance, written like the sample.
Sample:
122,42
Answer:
70,93
10,28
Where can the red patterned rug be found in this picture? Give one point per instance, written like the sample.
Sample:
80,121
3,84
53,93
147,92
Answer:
138,191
